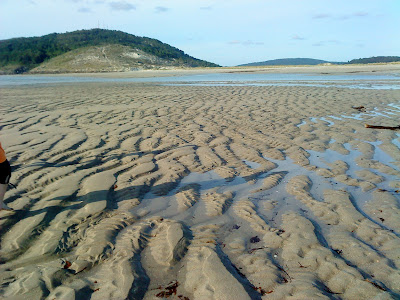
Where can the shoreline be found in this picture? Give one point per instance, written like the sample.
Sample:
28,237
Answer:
390,68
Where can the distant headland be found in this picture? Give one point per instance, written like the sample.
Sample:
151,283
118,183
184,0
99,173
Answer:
311,61
95,50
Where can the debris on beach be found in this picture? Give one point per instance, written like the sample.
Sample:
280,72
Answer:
254,239
67,264
168,290
382,127
359,108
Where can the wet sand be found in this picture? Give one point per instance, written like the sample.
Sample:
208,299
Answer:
143,191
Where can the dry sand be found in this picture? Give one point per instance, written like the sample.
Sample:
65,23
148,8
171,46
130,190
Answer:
140,191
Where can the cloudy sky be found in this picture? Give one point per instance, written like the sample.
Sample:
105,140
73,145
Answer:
226,32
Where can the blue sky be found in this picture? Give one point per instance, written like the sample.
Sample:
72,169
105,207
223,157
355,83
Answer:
226,32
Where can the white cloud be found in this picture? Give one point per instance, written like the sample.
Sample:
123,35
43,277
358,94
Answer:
84,10
327,43
322,16
161,9
122,5
297,37
245,43
353,15
358,14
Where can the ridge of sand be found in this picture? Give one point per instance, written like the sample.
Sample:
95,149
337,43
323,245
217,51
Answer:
142,191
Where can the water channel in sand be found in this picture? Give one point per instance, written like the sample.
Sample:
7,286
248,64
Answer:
364,81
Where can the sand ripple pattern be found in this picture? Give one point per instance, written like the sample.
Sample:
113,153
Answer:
133,191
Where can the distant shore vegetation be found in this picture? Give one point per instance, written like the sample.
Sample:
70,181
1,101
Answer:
375,59
312,62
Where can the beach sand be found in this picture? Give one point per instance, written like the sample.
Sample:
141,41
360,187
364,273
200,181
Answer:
143,191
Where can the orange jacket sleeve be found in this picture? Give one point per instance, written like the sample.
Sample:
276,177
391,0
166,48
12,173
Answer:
2,155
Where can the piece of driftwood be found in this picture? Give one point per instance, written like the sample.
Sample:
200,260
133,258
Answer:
359,108
382,127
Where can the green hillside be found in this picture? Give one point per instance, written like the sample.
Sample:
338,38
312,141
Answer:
19,55
104,58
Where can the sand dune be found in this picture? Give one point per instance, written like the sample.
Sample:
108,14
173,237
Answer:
143,191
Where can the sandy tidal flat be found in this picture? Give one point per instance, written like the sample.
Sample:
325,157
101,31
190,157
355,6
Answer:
134,191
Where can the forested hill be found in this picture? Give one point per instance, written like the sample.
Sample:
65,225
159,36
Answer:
23,54
288,62
375,59
311,61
